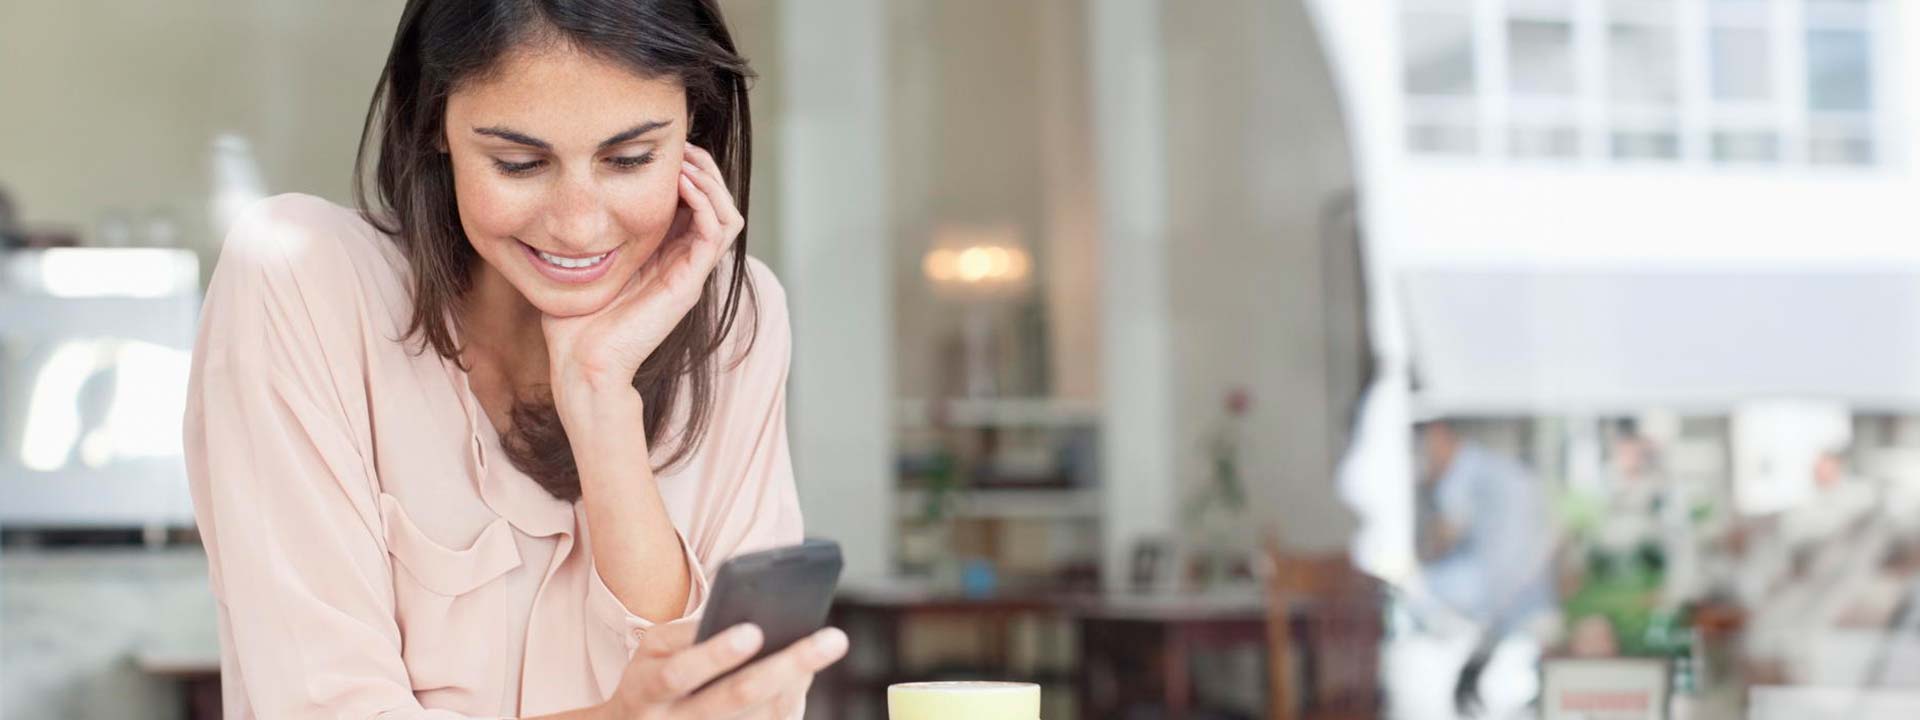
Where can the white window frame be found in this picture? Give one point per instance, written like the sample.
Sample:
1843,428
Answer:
1496,113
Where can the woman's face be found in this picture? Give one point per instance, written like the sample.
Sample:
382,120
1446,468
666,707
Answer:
566,171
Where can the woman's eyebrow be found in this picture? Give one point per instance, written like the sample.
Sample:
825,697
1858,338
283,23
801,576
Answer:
514,136
517,137
634,132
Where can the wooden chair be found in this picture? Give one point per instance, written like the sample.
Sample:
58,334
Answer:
1325,624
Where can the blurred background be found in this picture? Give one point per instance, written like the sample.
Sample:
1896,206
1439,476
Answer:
1224,359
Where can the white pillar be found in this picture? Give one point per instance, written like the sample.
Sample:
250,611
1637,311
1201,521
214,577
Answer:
834,245
1129,124
1072,234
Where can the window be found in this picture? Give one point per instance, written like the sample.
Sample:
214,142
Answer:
1440,77
1643,81
1740,57
1840,83
1543,84
1718,82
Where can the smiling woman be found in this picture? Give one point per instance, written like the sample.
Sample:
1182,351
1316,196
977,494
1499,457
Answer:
595,198
548,269
565,137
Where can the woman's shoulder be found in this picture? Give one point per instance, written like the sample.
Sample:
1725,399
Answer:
760,340
769,293
307,259
303,232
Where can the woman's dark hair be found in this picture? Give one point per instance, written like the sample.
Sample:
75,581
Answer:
443,43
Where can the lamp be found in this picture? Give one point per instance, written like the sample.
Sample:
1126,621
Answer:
979,266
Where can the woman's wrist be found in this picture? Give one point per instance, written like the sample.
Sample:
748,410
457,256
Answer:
588,407
612,709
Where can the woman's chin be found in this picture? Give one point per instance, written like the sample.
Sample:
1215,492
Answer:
574,302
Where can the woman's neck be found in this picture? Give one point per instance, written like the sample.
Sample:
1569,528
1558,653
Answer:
500,333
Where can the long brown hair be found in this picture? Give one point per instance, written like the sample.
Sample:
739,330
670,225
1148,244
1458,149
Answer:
441,43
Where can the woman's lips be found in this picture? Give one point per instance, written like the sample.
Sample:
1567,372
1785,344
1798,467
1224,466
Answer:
569,275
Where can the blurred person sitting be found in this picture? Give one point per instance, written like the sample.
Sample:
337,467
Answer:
1484,530
1486,542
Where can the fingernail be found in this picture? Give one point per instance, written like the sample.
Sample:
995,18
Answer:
830,642
689,166
745,637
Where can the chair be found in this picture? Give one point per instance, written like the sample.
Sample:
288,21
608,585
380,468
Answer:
1325,625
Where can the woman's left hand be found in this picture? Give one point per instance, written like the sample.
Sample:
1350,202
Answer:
594,353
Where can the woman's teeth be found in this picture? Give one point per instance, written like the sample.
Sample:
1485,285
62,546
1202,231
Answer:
571,263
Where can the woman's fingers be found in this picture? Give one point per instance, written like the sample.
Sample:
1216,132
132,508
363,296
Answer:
722,195
714,193
764,682
789,701
664,640
707,236
705,224
690,668
699,156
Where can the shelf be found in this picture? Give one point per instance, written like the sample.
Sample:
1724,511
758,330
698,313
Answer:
1034,504
1001,412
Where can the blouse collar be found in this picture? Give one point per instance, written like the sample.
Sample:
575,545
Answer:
508,492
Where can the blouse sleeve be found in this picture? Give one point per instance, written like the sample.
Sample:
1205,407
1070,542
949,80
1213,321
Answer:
283,491
746,499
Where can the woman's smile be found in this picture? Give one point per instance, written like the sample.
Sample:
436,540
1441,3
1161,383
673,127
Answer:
570,269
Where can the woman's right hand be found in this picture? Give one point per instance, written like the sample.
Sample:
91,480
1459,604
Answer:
660,680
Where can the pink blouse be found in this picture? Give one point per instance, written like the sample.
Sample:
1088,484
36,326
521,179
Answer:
372,552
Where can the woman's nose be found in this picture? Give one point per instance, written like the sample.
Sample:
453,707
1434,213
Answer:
577,218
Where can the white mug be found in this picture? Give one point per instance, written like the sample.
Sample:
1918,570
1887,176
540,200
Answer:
963,701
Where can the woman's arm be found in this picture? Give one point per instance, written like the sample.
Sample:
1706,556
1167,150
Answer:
635,548
641,561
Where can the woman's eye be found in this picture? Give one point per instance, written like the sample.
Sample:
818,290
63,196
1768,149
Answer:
629,162
518,168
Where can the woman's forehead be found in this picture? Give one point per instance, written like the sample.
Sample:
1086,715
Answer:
565,96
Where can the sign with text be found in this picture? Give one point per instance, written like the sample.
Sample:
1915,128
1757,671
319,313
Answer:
1604,689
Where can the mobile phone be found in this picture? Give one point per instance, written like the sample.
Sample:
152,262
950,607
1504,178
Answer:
786,591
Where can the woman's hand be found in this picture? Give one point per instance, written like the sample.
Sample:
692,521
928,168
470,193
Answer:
659,681
599,352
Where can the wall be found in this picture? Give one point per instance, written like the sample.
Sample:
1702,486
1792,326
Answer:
756,34
834,229
113,104
967,148
1257,149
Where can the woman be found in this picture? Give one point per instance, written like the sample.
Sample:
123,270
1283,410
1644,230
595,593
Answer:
472,450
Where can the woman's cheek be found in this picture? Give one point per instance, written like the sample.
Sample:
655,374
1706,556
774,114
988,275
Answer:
650,213
490,208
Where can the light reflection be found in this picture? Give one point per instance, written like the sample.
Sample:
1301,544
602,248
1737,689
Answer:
237,180
116,272
107,399
53,408
976,261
